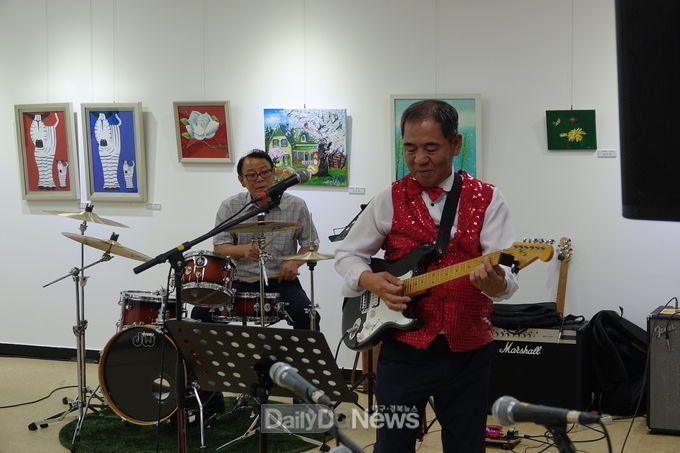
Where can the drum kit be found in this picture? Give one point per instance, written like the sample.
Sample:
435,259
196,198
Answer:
138,365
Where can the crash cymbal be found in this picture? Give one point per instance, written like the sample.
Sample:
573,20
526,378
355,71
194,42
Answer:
263,226
109,245
312,256
87,216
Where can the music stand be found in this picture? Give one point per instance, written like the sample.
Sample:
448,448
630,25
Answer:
236,359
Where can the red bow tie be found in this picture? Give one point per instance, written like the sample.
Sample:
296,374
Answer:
413,187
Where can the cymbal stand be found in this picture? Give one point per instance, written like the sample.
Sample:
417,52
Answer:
81,403
313,306
263,258
311,311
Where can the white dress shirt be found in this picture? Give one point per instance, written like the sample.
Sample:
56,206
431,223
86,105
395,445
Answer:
366,237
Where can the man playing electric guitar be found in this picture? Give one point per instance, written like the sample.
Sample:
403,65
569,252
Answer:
449,357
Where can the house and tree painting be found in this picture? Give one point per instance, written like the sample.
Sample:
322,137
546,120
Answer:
314,139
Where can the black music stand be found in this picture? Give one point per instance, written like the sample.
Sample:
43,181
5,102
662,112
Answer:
236,359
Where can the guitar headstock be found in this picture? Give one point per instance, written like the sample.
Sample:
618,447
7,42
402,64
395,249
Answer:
565,250
528,251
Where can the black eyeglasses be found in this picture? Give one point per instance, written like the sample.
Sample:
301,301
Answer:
263,174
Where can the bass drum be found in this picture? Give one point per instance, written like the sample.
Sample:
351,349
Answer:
137,374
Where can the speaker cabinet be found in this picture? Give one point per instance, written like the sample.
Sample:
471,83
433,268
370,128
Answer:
541,366
648,50
663,331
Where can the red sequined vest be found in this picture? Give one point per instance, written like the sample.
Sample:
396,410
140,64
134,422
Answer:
456,308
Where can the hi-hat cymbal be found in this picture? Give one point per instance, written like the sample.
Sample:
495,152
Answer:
263,226
109,245
87,216
312,256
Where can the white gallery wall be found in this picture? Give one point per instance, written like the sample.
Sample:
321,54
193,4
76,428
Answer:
522,56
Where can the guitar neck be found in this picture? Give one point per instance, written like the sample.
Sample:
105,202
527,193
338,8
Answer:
421,283
562,286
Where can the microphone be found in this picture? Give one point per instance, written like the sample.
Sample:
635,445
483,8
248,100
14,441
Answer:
285,376
509,410
300,175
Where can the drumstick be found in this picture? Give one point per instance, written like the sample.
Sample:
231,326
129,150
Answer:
271,239
255,279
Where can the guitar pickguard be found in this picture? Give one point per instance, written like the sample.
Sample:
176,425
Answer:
370,317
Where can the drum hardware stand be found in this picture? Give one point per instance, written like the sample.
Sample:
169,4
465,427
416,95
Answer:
253,428
311,257
81,402
175,258
313,306
263,258
194,388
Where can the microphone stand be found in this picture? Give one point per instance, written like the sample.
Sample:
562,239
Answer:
342,234
175,257
342,439
562,441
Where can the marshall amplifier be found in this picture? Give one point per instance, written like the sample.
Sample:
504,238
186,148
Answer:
663,331
542,366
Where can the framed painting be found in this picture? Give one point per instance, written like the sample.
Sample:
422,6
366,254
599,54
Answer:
469,109
114,152
571,129
46,139
314,139
203,132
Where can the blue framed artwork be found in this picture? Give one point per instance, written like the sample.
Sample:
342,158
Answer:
469,126
114,152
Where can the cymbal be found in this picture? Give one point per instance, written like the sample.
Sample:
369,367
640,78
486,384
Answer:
263,226
87,216
109,245
312,256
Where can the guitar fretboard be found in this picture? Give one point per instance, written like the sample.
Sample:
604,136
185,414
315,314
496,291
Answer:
421,283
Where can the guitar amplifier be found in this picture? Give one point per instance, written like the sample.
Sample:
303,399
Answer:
542,366
663,332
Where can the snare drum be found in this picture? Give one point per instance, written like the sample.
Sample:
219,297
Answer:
207,279
137,374
246,305
144,307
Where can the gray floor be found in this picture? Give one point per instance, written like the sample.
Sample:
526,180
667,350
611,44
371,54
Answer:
23,380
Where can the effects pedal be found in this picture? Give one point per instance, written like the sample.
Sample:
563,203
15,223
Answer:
496,437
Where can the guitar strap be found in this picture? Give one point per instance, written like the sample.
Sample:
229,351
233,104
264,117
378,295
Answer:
448,214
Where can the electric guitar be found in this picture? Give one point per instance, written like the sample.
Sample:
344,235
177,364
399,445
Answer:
365,318
564,254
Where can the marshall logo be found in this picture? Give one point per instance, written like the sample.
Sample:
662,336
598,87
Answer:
524,350
144,340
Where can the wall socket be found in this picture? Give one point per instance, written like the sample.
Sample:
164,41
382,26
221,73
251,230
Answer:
606,153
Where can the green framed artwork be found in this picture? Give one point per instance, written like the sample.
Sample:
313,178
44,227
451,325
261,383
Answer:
469,109
571,129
